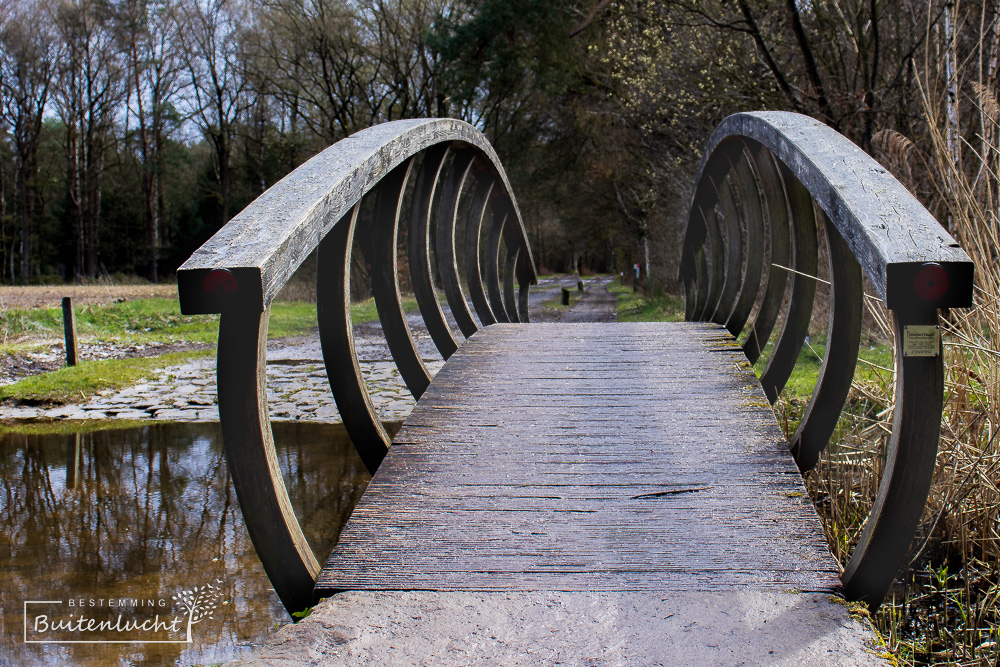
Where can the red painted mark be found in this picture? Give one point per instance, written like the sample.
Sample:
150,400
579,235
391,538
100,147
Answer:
931,282
219,281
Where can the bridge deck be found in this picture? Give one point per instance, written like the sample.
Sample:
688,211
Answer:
587,457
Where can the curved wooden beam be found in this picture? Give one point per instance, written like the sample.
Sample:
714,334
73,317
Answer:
242,267
263,245
733,276
800,304
447,263
473,237
774,193
691,275
246,434
492,260
716,257
889,232
703,275
873,224
524,280
336,336
421,271
509,294
753,222
843,339
383,267
703,232
909,468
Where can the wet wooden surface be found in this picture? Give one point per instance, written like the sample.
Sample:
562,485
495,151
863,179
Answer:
587,457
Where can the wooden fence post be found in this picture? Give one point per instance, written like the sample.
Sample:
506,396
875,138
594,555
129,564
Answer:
69,326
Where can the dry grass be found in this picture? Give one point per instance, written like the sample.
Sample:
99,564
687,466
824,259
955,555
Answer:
944,610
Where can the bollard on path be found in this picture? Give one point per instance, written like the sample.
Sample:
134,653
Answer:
565,297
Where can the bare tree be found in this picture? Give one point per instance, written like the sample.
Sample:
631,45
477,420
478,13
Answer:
211,34
147,32
28,53
409,84
319,67
91,84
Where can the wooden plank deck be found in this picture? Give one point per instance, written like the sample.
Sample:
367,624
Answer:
587,457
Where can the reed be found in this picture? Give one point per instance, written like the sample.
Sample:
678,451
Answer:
945,609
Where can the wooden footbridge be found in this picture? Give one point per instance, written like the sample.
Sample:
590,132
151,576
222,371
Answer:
586,457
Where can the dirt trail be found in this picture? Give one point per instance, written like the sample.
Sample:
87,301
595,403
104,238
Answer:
596,304
50,296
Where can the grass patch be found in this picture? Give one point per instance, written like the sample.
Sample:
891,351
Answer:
76,383
156,320
68,427
798,390
872,359
365,311
639,307
134,322
556,304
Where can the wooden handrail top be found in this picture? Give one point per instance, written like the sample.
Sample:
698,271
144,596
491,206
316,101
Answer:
890,233
248,261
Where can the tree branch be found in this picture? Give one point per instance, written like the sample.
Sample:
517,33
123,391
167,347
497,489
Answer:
580,27
810,62
779,77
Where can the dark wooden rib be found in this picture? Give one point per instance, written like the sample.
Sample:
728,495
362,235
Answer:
773,191
336,337
752,215
524,280
473,237
447,264
843,339
734,252
587,457
509,295
383,267
800,303
717,262
419,251
491,274
249,444
909,468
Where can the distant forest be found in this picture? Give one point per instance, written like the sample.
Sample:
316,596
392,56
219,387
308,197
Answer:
131,130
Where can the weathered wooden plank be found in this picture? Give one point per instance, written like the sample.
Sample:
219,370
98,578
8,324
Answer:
263,245
587,457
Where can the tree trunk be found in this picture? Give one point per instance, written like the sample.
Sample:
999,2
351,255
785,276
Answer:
24,216
225,177
73,194
3,227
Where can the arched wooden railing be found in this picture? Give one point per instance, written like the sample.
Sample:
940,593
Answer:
447,176
752,232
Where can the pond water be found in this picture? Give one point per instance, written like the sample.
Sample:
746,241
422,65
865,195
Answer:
115,522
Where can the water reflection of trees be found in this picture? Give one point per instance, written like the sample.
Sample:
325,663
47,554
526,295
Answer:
143,512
